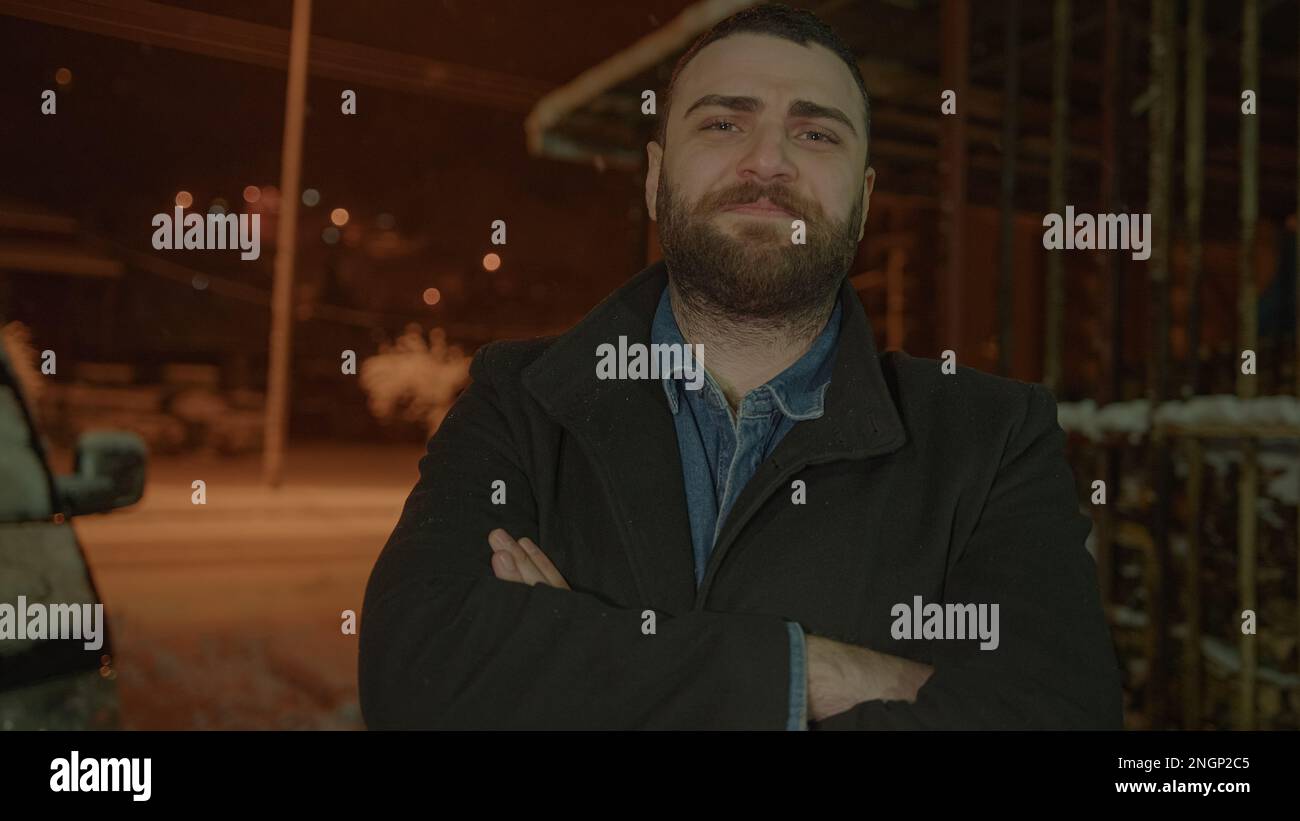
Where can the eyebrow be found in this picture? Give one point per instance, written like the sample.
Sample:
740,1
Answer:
799,108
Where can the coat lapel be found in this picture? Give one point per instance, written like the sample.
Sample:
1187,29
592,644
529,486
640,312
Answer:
860,421
626,428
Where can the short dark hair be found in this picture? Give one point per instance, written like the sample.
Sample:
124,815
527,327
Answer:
777,20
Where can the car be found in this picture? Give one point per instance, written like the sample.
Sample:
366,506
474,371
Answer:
51,683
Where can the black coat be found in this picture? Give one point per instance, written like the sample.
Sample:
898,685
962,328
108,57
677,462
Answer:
952,487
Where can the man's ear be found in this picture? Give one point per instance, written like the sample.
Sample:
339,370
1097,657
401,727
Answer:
654,159
868,183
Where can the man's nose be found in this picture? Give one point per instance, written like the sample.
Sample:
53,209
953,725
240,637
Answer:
766,156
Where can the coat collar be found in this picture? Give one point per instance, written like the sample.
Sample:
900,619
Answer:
626,428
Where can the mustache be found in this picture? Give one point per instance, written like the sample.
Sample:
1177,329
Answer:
779,196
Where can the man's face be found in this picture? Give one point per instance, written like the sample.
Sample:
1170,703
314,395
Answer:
755,119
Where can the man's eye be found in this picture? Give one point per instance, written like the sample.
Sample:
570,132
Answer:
827,138
715,125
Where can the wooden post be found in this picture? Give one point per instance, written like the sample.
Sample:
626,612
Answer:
1109,390
1055,287
1248,334
1192,698
1163,110
1010,135
1115,63
955,24
1194,181
1163,105
1119,148
277,391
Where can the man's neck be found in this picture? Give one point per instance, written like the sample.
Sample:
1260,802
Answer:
741,355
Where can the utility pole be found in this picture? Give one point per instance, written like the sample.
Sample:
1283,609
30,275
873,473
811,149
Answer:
277,391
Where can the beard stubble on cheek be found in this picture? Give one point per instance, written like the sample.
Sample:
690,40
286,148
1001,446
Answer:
752,270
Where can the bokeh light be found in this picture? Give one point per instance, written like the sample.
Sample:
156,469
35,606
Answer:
252,193
491,262
432,296
310,197
184,199
339,216
63,76
330,235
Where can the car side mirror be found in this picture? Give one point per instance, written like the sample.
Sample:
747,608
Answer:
110,473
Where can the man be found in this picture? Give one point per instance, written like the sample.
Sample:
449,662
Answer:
812,535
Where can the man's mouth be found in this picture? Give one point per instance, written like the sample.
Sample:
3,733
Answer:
760,207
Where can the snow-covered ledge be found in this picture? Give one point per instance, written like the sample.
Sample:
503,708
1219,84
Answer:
1133,419
1225,416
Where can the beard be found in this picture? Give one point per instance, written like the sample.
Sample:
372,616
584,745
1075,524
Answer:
753,274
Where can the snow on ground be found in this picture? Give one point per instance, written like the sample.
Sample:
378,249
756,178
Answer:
227,615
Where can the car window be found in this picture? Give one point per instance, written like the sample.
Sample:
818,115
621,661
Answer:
24,483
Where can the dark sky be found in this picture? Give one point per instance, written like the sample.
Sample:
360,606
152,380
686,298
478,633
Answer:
541,41
138,123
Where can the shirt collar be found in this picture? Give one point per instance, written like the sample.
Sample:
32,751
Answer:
799,391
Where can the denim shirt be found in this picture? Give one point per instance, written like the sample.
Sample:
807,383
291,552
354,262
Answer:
721,450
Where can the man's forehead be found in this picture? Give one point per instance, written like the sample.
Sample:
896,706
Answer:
761,65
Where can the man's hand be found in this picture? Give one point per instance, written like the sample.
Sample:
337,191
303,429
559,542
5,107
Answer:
841,676
522,561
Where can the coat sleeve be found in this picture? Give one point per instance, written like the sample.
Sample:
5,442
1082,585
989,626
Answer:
445,644
1054,666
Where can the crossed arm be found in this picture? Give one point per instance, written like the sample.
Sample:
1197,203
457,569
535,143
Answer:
840,675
